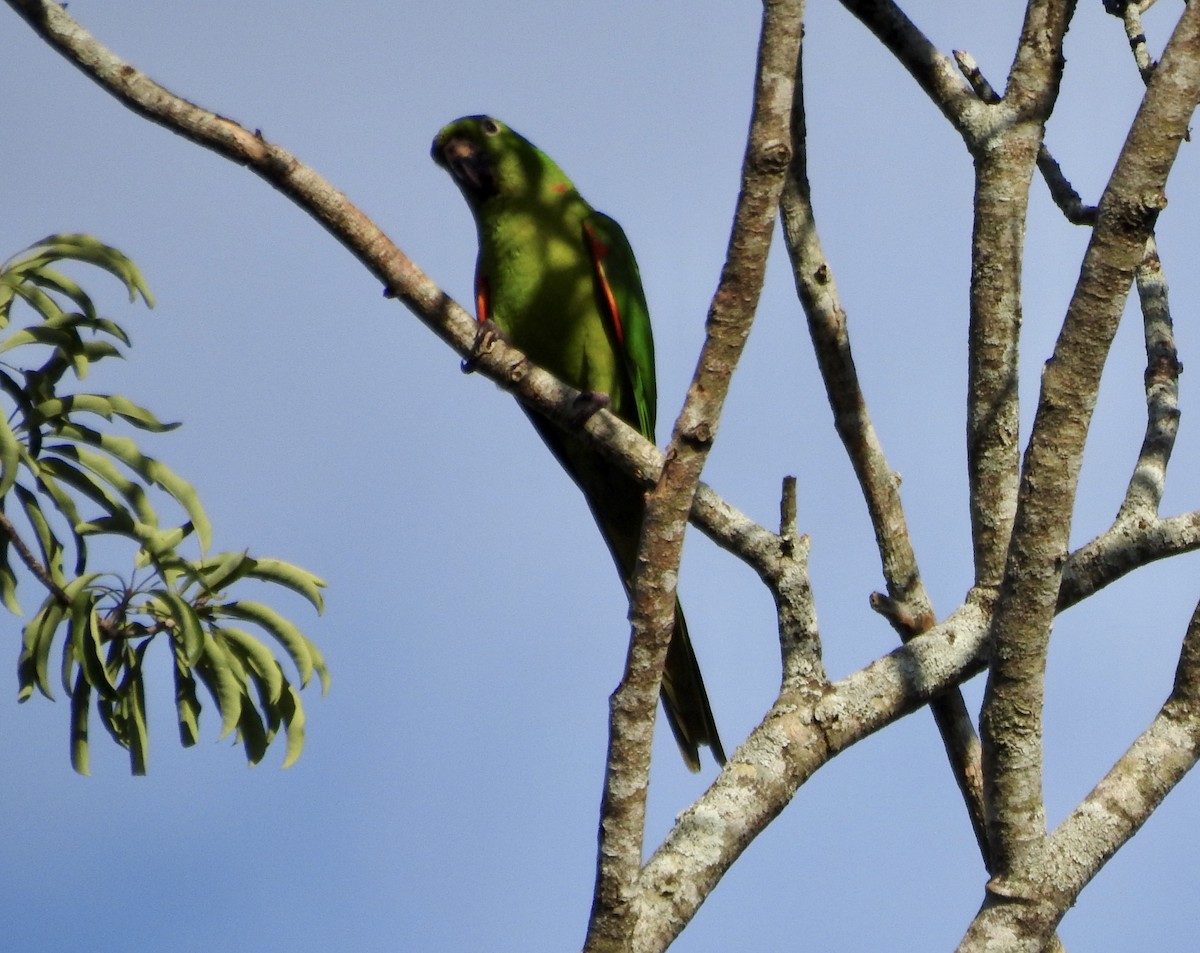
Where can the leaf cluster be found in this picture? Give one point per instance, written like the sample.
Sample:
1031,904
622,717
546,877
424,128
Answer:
67,480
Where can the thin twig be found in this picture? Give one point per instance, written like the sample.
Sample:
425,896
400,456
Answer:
932,69
799,636
1131,17
1146,485
32,563
1069,201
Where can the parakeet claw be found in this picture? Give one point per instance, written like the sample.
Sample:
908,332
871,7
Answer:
586,404
487,335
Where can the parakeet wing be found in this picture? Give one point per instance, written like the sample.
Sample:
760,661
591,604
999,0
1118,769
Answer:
623,303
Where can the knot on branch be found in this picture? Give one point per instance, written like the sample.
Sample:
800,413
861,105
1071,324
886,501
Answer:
773,157
698,433
277,162
1163,369
907,622
1136,213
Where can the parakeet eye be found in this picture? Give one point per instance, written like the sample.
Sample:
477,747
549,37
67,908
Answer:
490,127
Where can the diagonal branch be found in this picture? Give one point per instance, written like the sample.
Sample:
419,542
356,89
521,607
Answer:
1124,547
907,604
499,361
1108,817
1135,786
932,69
793,741
652,604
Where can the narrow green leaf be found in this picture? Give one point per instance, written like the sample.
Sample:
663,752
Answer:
51,548
150,470
81,703
222,570
92,322
8,284
187,705
8,579
106,406
290,637
319,665
65,503
92,250
55,280
81,481
49,310
291,577
216,672
35,652
294,721
104,469
51,336
258,659
10,457
94,351
134,702
159,543
252,733
84,632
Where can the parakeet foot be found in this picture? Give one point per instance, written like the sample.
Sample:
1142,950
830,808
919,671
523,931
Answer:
586,404
487,335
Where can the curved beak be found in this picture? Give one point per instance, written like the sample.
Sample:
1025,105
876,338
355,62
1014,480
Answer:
466,163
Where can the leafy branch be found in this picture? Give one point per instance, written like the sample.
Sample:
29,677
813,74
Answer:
66,483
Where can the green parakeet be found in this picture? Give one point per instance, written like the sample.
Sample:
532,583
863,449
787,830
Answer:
560,281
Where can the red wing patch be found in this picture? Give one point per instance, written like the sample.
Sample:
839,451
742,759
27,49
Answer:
599,252
481,298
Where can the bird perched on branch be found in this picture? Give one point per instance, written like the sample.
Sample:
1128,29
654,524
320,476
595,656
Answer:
560,282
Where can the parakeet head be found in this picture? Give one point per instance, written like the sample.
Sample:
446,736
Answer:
486,159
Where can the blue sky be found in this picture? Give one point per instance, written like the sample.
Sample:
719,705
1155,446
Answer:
447,796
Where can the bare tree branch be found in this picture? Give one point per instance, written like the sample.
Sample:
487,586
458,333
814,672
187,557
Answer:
791,743
652,603
1127,545
1146,486
403,279
1003,169
907,605
1130,13
1061,191
1134,787
1011,721
1107,818
932,69
799,637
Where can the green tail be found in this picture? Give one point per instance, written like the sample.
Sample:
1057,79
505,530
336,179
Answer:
618,504
685,701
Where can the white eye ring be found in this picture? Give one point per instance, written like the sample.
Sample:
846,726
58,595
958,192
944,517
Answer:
490,127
